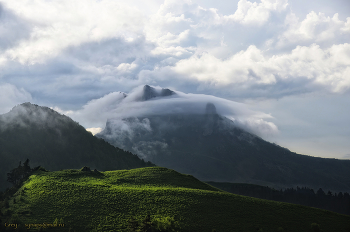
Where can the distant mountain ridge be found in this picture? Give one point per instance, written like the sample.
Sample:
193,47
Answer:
213,148
56,142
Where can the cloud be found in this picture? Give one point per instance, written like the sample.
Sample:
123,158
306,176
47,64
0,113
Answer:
118,106
58,25
10,96
312,67
126,128
81,73
315,27
347,156
147,149
254,13
94,130
183,28
65,54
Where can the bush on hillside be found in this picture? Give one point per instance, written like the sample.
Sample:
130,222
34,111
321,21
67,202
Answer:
157,224
315,227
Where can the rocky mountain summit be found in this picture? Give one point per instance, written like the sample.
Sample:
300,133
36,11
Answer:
149,93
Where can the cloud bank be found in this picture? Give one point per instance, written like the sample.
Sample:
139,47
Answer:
119,106
262,49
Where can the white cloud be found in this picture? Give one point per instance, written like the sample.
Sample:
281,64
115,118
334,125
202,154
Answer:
94,130
315,28
325,68
240,54
346,28
97,111
125,67
57,25
257,13
116,106
183,25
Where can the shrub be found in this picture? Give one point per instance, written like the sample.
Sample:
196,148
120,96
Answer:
6,204
158,224
166,224
85,169
7,212
315,227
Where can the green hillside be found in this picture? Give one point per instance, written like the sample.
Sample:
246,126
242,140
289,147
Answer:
107,201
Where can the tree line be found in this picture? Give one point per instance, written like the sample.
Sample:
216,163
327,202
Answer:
332,201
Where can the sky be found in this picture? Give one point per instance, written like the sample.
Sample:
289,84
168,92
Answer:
287,61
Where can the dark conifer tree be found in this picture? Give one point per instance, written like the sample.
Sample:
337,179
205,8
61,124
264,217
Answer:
17,175
320,193
340,195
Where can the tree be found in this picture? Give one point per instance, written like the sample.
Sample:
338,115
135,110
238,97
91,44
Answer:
17,175
340,195
315,227
320,193
329,194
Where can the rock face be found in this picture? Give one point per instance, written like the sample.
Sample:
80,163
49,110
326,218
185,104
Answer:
212,148
149,93
210,109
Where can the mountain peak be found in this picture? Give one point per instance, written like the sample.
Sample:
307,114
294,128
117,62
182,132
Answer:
210,108
30,109
150,92
26,105
28,114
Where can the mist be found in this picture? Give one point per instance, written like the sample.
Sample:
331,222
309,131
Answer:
119,106
27,114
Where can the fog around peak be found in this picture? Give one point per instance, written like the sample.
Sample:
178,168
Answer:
119,106
27,114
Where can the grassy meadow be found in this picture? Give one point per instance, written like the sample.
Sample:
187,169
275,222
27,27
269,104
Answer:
107,201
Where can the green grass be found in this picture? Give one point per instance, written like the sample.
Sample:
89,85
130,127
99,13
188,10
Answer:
107,201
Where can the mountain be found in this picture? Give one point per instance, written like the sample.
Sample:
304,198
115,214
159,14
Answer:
55,142
149,93
109,201
211,147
